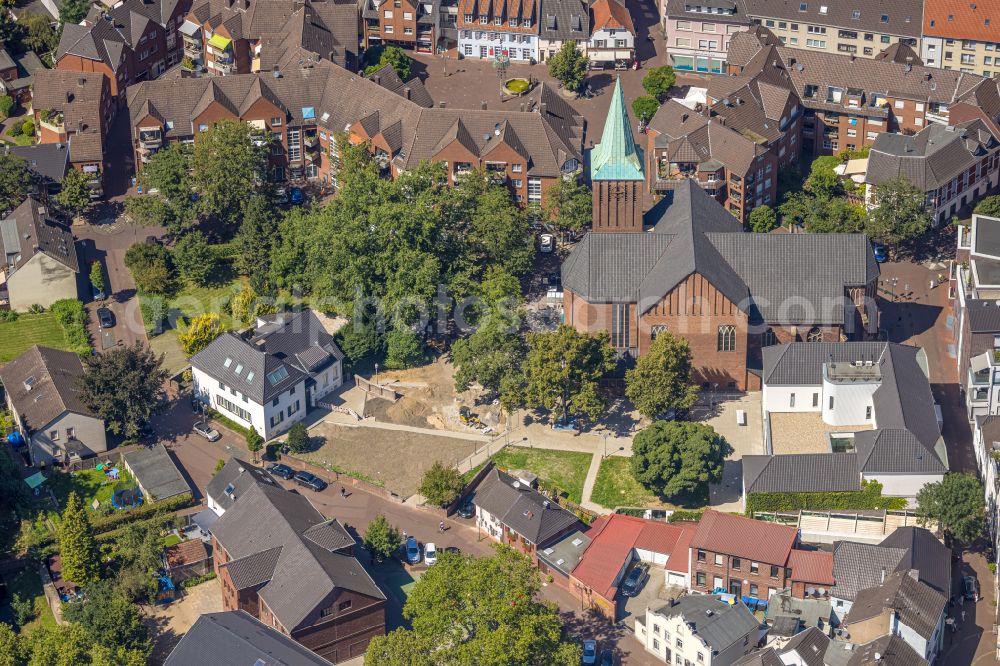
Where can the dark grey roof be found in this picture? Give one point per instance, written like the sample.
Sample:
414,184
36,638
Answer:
890,650
986,238
253,372
810,645
903,17
984,315
240,475
908,439
52,375
48,161
254,569
303,577
932,157
785,626
722,627
760,273
918,606
564,554
236,638
925,553
156,472
330,535
859,566
801,473
6,62
765,657
28,230
298,339
564,19
522,508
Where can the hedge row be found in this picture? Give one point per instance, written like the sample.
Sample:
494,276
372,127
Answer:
229,423
156,521
868,498
681,514
197,580
72,318
119,518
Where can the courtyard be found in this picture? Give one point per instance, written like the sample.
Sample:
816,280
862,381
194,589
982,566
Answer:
805,432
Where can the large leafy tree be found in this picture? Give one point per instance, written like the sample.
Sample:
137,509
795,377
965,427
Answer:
569,65
483,610
661,379
823,181
38,33
169,172
12,649
200,332
645,107
677,458
381,539
763,220
15,182
956,504
493,352
73,11
195,259
380,56
562,371
81,558
658,81
151,267
989,206
441,484
255,243
226,165
819,215
123,386
111,620
74,192
569,204
901,216
60,645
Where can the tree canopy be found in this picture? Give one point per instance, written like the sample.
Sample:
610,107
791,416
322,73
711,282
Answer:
676,458
658,81
15,181
226,165
562,370
195,259
901,216
569,65
569,204
956,503
123,386
989,206
381,539
200,332
441,484
661,379
113,621
74,192
763,219
298,438
169,172
255,242
645,107
81,559
480,610
493,352
151,267
388,55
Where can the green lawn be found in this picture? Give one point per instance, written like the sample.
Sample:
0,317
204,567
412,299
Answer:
615,486
171,540
29,586
30,329
89,484
565,470
191,301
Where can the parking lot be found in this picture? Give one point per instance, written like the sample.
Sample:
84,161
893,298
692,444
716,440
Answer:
653,592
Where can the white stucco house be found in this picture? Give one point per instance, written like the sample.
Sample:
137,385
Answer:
270,376
612,39
836,414
38,265
698,629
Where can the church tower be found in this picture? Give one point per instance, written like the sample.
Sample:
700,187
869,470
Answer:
616,172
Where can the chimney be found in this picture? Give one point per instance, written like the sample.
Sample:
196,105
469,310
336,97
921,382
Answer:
521,107
684,117
853,57
543,108
69,96
442,105
377,79
407,92
81,82
482,105
275,72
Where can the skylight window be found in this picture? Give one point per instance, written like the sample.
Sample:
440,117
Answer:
856,14
822,9
885,18
250,376
276,376
228,362
239,368
803,6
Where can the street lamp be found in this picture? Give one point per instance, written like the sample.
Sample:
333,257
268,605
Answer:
376,374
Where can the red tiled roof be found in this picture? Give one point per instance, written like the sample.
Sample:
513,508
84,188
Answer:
961,19
613,539
680,558
186,552
611,14
744,537
811,566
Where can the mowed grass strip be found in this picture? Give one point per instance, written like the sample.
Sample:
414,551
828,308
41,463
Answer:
30,329
567,470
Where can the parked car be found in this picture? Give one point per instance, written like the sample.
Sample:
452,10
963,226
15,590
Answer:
207,431
607,657
284,471
969,587
105,318
412,551
467,510
589,652
281,195
296,196
635,580
430,554
311,481
546,243
880,254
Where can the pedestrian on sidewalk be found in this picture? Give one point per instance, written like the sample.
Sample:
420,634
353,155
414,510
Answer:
343,492
441,526
963,615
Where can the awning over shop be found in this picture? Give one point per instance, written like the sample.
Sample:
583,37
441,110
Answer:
219,42
190,28
981,362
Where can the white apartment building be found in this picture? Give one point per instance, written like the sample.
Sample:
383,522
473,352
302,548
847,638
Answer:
698,629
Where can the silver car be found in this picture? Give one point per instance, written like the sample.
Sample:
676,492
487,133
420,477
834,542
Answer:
207,431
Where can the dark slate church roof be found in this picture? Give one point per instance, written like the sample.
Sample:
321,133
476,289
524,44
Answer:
757,272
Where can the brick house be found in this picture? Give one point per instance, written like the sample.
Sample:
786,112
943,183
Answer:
226,37
696,274
77,109
134,41
304,107
849,101
298,575
406,23
751,558
562,21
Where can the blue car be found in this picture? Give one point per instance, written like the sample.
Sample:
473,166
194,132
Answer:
880,254
296,196
412,551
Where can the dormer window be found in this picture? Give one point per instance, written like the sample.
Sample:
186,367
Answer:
468,18
884,18
513,22
803,6
483,19
497,20
856,14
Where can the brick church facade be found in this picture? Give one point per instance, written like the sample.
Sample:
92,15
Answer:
689,268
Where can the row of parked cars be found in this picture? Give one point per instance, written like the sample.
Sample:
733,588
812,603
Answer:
302,477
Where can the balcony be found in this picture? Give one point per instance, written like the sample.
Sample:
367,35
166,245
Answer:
258,139
310,142
224,59
52,120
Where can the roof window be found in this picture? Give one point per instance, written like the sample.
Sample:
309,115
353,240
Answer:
276,376
822,9
803,6
856,14
885,18
239,368
228,362
250,376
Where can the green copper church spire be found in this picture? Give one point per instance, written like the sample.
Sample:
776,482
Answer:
616,157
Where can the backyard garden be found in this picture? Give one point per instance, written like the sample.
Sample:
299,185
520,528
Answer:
558,471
